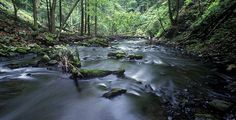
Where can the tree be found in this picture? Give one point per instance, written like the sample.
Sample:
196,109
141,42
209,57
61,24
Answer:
96,18
52,15
48,14
82,18
88,16
35,12
15,6
60,12
173,12
67,17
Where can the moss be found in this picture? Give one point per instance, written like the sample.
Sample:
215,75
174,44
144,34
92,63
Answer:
22,50
45,59
96,42
94,73
49,39
117,55
196,47
85,73
35,48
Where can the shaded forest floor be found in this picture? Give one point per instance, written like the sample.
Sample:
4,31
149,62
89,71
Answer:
211,39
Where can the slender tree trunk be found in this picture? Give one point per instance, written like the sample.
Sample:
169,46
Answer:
162,25
96,18
60,12
173,19
85,16
35,12
53,19
48,15
67,17
15,8
82,18
88,19
170,12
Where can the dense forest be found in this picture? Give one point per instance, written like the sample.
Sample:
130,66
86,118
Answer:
152,59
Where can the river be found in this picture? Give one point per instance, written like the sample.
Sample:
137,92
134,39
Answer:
158,87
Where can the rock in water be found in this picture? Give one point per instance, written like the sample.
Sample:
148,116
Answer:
45,59
220,104
52,62
114,92
204,117
135,57
231,67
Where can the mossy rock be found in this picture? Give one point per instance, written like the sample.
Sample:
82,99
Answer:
114,93
220,104
119,73
22,50
45,59
99,73
94,73
49,39
117,55
52,62
36,49
135,57
97,42
204,116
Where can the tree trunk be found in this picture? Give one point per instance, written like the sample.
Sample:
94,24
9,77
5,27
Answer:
173,18
88,19
35,12
60,12
85,16
53,20
170,12
48,15
15,8
96,18
67,17
162,25
82,18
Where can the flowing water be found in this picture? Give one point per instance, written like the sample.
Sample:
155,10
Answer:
157,85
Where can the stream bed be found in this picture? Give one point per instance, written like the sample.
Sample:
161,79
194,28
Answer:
161,86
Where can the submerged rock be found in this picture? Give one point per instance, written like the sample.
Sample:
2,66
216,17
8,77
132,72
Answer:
135,57
231,87
114,92
102,86
220,104
203,117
